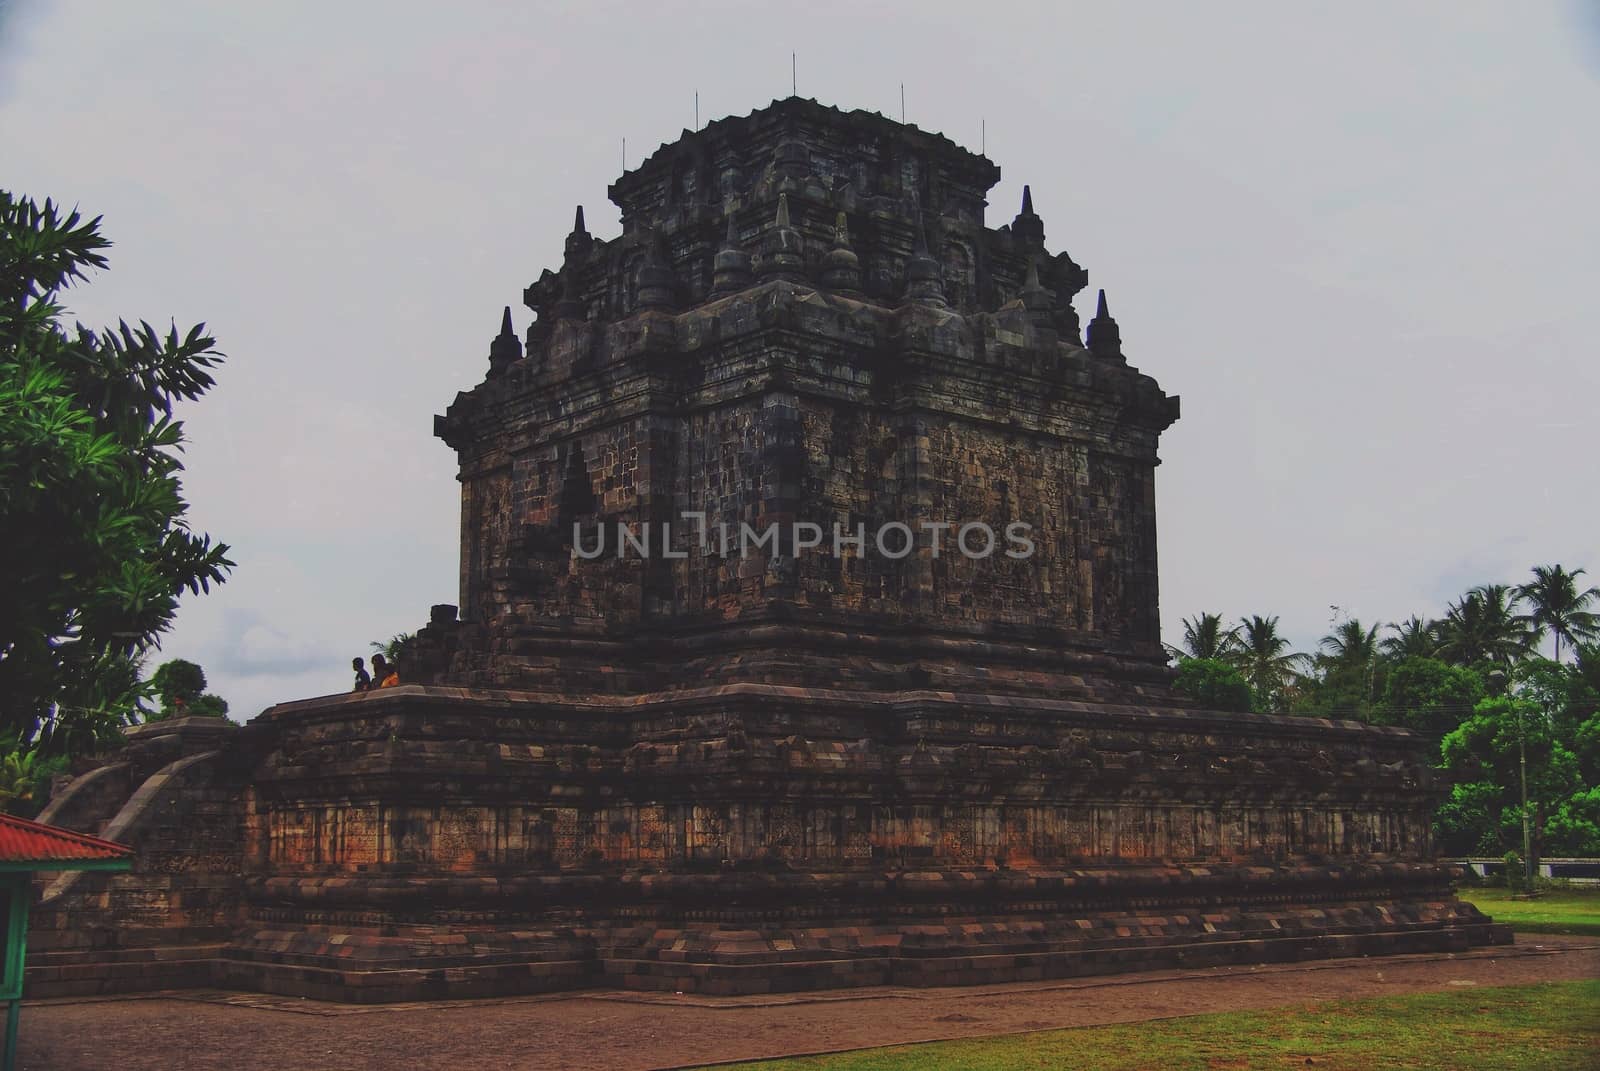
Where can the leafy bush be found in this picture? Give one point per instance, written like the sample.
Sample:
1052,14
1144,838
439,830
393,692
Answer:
1214,684
25,777
182,688
1516,877
1430,695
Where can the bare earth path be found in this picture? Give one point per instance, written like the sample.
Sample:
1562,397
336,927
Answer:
623,1031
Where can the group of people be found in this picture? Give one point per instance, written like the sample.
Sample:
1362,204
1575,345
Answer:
385,674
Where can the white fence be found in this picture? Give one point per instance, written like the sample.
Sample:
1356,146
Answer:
1577,871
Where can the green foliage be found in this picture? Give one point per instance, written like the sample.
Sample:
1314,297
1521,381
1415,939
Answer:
1574,828
25,776
397,648
1488,748
1428,695
178,680
1213,684
1483,626
1516,871
1467,823
1205,638
182,688
1473,677
208,706
1412,638
90,499
1263,657
1584,683
1559,608
100,694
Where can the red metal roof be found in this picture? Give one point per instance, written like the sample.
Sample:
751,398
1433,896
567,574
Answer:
22,841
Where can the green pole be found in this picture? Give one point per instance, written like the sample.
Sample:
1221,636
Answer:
15,890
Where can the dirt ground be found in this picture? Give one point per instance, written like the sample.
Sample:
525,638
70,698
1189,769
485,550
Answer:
631,1032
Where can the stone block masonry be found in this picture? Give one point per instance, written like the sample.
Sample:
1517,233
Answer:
795,769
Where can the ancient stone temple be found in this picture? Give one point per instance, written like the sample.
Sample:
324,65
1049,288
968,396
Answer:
807,637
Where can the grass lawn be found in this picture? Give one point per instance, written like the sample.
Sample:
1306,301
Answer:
1566,911
1554,1025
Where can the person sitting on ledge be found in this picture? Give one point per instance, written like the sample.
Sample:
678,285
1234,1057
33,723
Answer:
363,679
384,675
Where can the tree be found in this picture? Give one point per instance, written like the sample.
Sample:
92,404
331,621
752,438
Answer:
1262,655
1427,694
1348,662
1558,607
1351,645
1204,637
1213,684
182,688
396,648
1483,626
1413,638
178,683
98,544
1484,756
1583,697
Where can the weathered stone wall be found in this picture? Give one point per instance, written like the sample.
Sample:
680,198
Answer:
716,773
818,779
938,381
186,825
464,838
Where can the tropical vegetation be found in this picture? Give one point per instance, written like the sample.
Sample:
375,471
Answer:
1475,679
98,547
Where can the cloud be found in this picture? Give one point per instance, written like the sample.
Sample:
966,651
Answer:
252,648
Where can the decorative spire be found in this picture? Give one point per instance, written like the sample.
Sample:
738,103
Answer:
1103,337
1028,227
1035,298
730,269
782,254
924,281
657,285
1027,201
841,268
505,348
579,240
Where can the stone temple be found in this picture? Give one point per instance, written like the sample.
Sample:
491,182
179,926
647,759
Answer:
671,765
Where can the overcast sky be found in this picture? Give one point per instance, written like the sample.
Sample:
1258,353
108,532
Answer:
1359,240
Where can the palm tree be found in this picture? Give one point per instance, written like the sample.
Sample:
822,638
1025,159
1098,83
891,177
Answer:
397,647
1351,645
1203,637
1350,650
1484,627
1559,607
1263,656
1413,638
